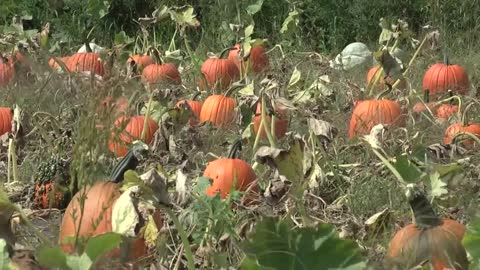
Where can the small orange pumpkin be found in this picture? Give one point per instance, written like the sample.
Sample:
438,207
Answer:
195,107
441,77
420,107
257,60
85,62
159,72
6,71
375,72
141,61
445,111
428,238
218,109
219,73
369,113
132,131
224,171
463,126
97,218
281,122
6,115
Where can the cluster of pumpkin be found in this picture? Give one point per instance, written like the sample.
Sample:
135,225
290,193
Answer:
439,79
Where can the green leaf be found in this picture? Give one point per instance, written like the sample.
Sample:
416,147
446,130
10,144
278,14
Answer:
79,262
386,33
202,184
291,22
99,245
247,90
295,78
277,245
254,8
436,185
471,242
185,16
121,38
4,257
407,169
249,30
52,257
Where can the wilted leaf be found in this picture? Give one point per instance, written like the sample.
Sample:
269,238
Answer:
181,185
276,191
436,185
316,176
156,181
254,8
289,163
150,232
378,220
471,242
386,33
99,245
124,215
247,90
390,65
277,245
295,78
185,16
320,85
375,137
249,30
322,129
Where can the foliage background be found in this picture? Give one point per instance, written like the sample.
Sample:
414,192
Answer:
325,25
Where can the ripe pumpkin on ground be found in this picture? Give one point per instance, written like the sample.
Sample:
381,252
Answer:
219,73
441,77
369,113
54,65
463,126
256,61
6,71
445,111
160,72
375,72
427,238
224,171
140,61
194,106
97,218
85,62
281,122
6,115
219,110
133,131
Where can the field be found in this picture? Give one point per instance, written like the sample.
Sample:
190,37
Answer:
180,140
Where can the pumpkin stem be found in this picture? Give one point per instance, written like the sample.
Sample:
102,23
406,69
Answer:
224,52
155,53
426,96
423,215
129,162
196,95
445,58
235,149
383,94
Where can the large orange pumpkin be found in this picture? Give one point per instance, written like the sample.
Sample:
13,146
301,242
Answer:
85,62
132,131
218,109
257,60
224,171
97,218
429,238
375,72
441,77
281,122
6,71
369,113
219,73
6,116
193,105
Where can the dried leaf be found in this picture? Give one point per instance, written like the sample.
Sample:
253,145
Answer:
181,185
322,129
124,215
150,232
375,138
378,219
295,78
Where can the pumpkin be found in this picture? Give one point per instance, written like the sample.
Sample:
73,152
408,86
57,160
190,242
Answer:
445,111
194,106
120,105
224,171
19,60
97,218
85,62
218,109
427,238
159,72
463,126
219,73
257,59
140,61
375,72
281,122
441,77
6,71
420,107
369,113
6,116
132,131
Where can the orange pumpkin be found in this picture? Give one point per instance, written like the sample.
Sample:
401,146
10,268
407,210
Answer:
141,61
195,107
54,65
17,59
369,113
218,109
219,73
6,71
85,62
445,111
224,171
120,105
257,59
375,72
6,116
132,131
455,128
281,122
97,218
441,77
161,73
429,238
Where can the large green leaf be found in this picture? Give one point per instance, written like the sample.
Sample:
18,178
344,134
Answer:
277,245
409,172
99,245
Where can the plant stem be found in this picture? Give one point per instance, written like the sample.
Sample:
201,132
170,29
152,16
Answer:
271,140
183,236
147,115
